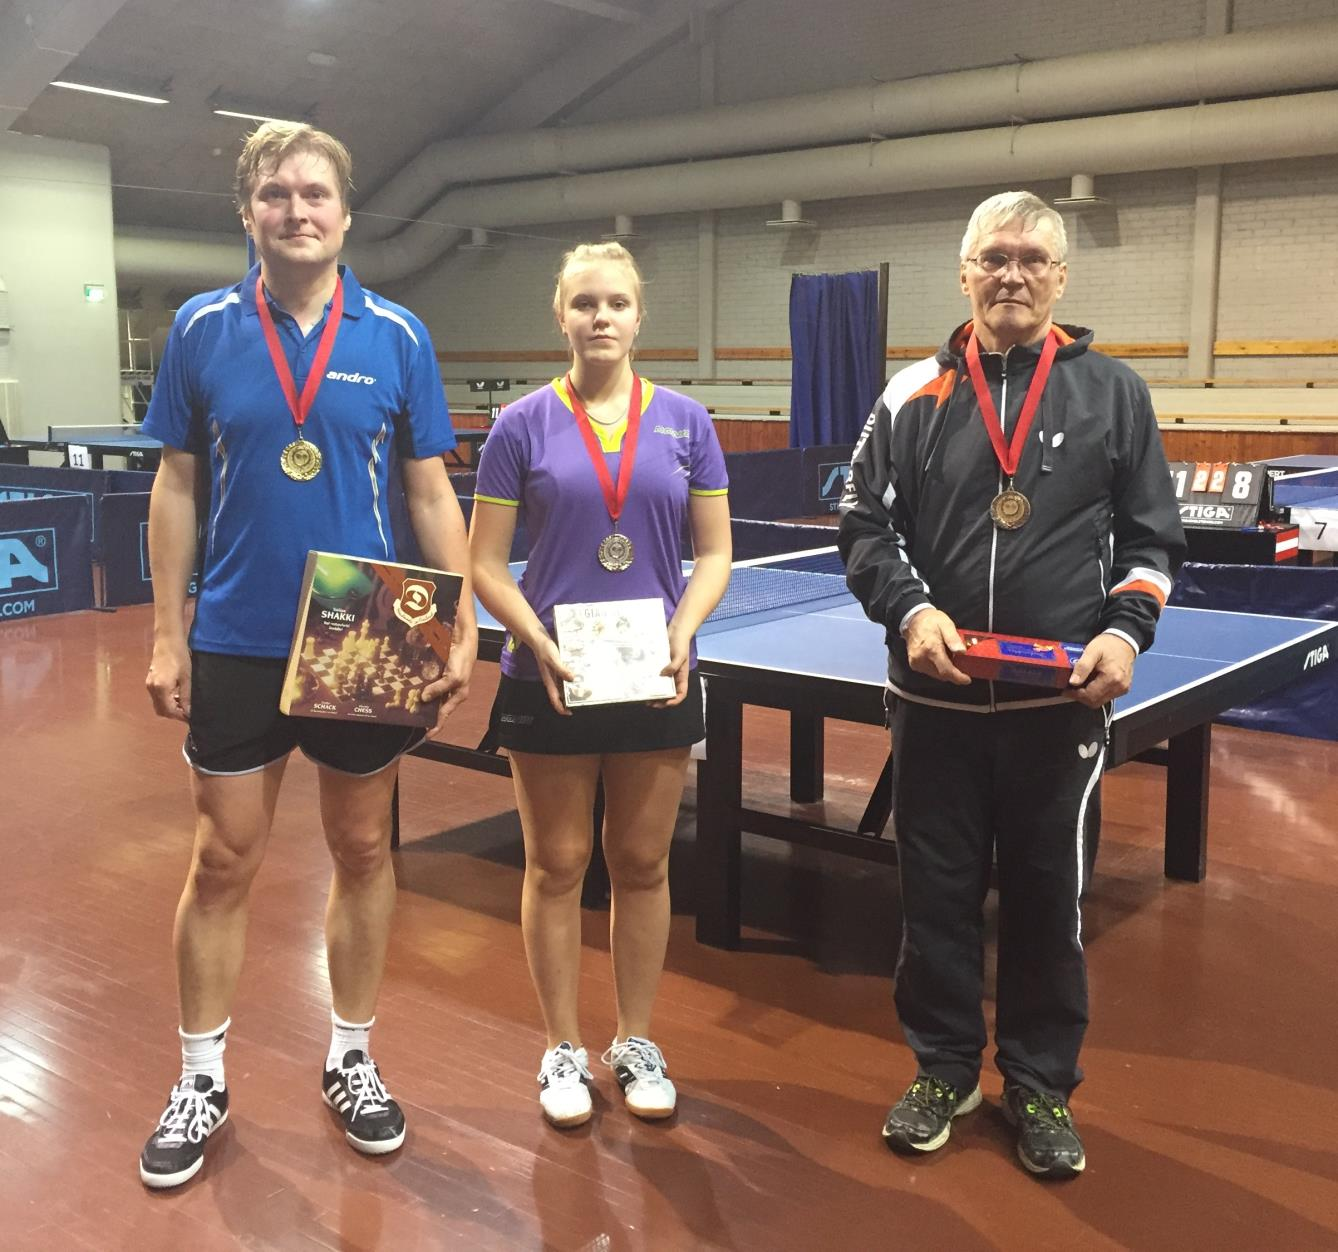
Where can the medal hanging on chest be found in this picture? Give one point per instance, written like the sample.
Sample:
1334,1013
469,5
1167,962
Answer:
615,551
1010,509
301,459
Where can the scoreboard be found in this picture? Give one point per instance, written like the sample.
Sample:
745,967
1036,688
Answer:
1224,495
1220,507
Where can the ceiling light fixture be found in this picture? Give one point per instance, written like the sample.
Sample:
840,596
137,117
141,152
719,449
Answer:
108,91
257,117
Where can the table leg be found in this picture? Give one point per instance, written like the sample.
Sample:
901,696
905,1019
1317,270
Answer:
1188,765
807,757
719,814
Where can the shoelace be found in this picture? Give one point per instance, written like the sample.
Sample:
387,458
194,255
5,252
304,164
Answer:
642,1057
365,1085
1050,1116
186,1118
929,1093
562,1064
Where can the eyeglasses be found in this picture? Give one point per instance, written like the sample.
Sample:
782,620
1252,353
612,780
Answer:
1032,264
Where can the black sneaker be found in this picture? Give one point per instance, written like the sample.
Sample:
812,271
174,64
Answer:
1047,1143
921,1120
175,1151
373,1122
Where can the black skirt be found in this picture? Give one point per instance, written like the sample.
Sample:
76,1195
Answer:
524,721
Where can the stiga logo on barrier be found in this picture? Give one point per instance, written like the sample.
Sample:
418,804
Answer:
832,481
27,567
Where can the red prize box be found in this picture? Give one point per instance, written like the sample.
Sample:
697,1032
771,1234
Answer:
1013,659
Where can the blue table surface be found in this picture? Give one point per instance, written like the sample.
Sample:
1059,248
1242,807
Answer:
1305,460
135,442
834,640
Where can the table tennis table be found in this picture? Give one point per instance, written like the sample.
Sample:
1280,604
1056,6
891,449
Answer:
1311,496
788,635
819,657
471,439
84,447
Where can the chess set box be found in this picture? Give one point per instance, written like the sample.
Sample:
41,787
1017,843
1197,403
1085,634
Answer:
616,650
368,638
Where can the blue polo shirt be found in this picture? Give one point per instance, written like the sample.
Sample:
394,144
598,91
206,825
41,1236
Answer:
217,395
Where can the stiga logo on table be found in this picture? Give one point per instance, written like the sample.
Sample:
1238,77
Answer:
832,481
27,566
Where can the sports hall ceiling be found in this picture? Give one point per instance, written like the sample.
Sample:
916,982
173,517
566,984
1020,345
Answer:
387,76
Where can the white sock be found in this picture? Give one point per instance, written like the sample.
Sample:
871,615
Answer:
346,1037
203,1053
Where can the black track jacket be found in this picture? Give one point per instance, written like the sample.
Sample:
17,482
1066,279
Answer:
1104,538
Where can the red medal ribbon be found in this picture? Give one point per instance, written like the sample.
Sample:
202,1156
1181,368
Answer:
614,499
300,408
1011,455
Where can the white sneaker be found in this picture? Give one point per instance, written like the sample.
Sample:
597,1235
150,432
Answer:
562,1091
642,1074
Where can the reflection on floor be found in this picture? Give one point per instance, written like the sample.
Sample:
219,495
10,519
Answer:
1208,1109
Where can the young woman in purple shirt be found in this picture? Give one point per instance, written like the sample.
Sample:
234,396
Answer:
607,468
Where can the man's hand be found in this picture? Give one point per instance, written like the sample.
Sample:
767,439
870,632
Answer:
168,680
1103,672
452,688
931,640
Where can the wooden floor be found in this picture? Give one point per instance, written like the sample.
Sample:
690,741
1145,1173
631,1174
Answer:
1209,1110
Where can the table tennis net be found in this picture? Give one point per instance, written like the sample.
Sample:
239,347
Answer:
787,582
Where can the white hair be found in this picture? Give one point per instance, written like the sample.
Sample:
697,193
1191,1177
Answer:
1014,206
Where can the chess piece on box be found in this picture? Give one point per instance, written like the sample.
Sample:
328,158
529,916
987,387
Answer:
368,637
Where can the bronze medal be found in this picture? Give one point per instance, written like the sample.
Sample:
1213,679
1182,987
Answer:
615,553
1010,509
301,460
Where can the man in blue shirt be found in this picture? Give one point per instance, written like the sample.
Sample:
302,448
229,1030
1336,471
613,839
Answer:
290,391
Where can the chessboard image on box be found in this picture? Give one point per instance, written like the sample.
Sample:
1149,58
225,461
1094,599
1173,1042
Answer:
369,637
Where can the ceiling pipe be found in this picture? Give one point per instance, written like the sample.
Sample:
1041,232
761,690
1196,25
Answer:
1291,57
1303,125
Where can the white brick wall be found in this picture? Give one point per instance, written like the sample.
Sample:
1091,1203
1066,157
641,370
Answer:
503,298
1130,260
1252,14
1279,270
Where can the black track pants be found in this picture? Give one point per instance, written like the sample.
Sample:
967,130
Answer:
1022,788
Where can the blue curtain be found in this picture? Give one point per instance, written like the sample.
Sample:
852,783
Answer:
838,365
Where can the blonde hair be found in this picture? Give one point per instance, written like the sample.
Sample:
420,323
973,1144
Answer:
273,142
1013,206
611,253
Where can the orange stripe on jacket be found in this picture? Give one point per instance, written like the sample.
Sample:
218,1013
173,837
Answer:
1148,589
940,387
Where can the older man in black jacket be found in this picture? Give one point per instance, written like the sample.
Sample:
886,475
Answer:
1014,482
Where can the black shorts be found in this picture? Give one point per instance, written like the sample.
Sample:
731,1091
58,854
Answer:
525,722
236,726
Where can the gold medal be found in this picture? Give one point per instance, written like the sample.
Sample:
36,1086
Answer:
1010,509
615,553
301,460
